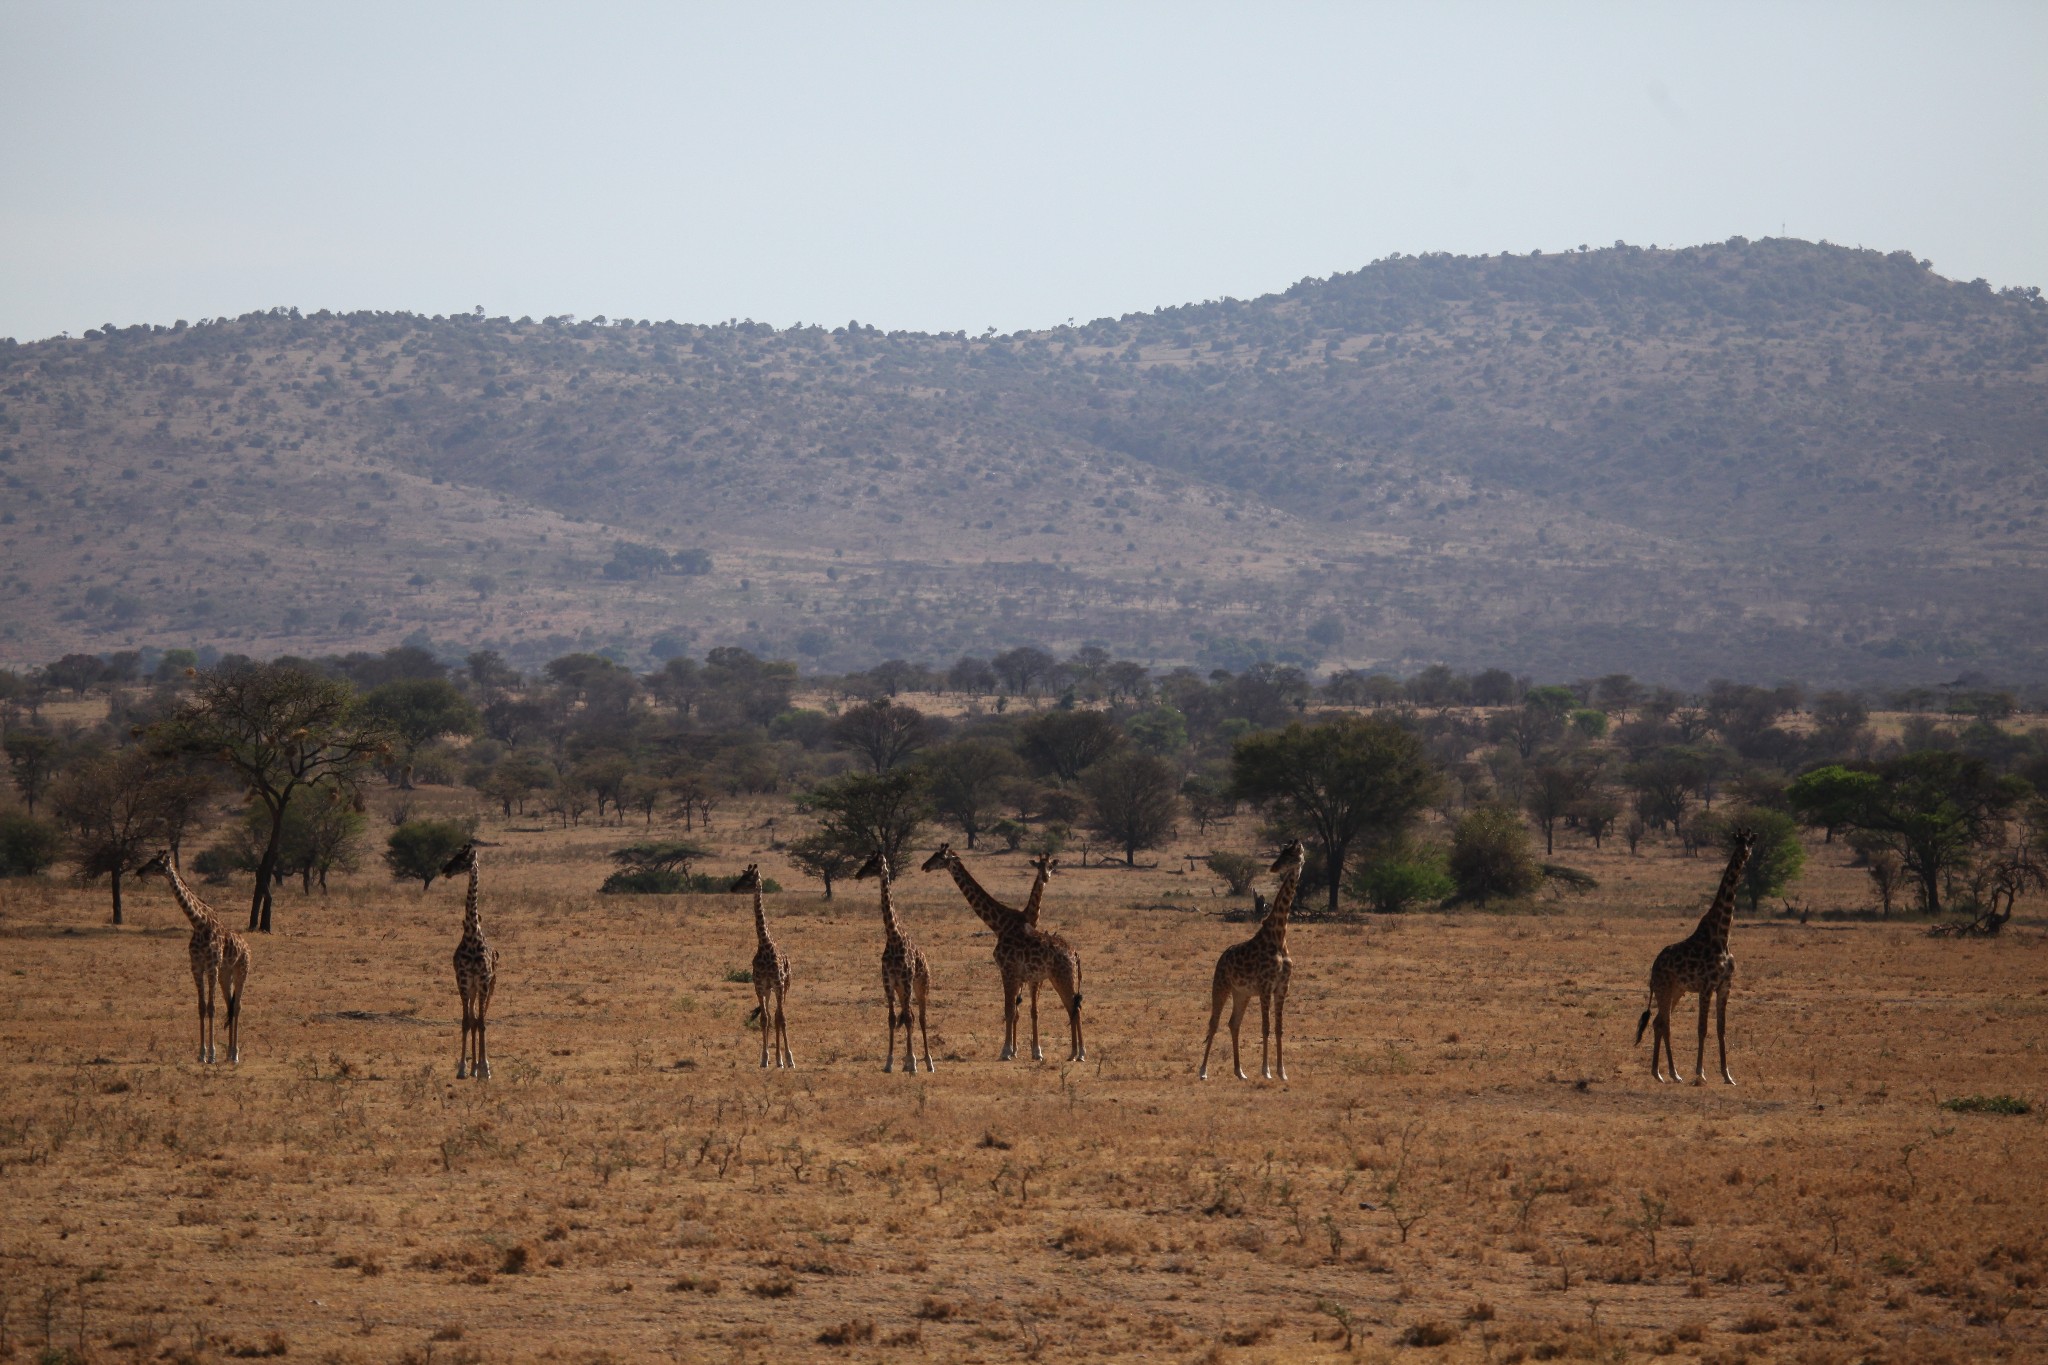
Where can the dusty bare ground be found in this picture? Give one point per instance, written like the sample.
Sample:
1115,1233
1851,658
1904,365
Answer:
1470,1161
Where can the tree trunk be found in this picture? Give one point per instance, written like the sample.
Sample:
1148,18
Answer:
828,886
116,881
1930,888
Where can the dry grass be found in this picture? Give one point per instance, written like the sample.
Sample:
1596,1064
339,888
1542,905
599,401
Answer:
631,1185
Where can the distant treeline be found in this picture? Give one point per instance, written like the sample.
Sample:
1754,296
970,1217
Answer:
1435,787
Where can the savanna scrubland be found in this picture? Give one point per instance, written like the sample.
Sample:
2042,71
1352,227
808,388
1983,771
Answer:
1470,1159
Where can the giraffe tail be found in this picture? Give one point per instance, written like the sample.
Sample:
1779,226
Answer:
755,1013
1641,1024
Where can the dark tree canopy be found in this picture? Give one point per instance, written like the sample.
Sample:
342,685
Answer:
1133,799
283,732
1343,780
863,813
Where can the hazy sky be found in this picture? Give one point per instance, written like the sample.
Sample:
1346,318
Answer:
964,165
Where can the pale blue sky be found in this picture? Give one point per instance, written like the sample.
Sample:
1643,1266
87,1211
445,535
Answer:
965,165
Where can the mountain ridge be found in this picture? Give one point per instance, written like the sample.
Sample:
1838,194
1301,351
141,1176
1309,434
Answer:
1752,458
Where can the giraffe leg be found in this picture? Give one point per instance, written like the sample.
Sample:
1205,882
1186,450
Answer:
1660,1041
1265,1035
923,990
1237,1008
462,1062
1070,1000
1699,1061
1012,998
1279,1030
767,1021
1721,1031
199,984
482,1069
235,1025
1217,995
212,1032
1037,1052
889,1003
782,1029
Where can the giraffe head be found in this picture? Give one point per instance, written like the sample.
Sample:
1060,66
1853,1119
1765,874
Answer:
1741,839
750,880
1045,865
877,865
462,862
1290,857
945,857
159,866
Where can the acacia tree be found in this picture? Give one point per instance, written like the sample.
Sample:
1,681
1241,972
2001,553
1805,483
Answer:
966,780
1133,798
882,732
1354,777
1064,743
115,811
285,733
419,711
819,855
1933,808
32,762
865,812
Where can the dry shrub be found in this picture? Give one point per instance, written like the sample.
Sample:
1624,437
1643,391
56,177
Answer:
447,1331
514,1262
691,1284
1758,1324
848,1333
936,1309
1083,1240
774,1287
1429,1332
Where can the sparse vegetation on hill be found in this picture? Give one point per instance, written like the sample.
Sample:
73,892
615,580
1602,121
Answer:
1751,458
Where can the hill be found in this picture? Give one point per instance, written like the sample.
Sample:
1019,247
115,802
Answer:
1754,459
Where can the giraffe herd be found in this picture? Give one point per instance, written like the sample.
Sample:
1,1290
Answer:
1026,955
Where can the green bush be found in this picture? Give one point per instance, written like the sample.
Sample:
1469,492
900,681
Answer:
1400,881
421,848
1490,856
27,845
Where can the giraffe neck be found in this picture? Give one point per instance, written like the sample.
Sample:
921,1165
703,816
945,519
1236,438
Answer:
993,912
472,918
1037,895
1713,929
889,925
1274,927
194,908
760,920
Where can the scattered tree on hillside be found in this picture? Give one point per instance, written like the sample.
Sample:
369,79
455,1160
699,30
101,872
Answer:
1133,800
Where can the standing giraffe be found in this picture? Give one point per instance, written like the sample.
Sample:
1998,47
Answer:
771,974
1699,963
476,973
1261,964
1042,869
905,976
220,959
1026,955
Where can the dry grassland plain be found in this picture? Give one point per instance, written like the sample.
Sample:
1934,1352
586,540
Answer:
1469,1162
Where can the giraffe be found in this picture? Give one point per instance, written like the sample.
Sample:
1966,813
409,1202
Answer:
1026,955
771,974
220,959
1043,868
476,973
1261,964
905,975
1698,963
